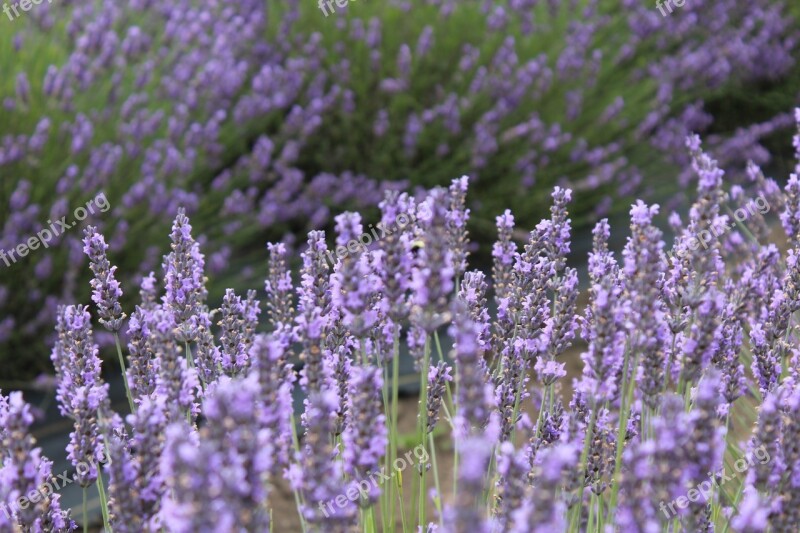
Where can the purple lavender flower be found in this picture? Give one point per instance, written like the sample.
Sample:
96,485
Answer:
702,341
433,275
278,285
473,293
705,448
457,217
81,393
467,512
314,304
733,383
527,308
189,466
474,393
364,437
141,359
561,326
244,448
503,251
753,515
207,357
124,506
603,327
510,391
560,228
185,281
314,290
316,474
766,360
653,473
542,509
176,383
354,283
438,377
339,368
790,218
106,290
512,470
26,471
641,270
397,259
275,379
602,450
148,427
234,342
148,291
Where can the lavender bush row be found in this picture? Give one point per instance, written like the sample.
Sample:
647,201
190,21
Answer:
256,117
687,352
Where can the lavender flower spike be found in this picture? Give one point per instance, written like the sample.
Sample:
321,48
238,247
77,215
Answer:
467,512
25,471
188,465
364,436
643,266
278,285
232,323
81,393
316,475
474,394
604,324
185,281
354,282
503,251
397,258
433,275
275,380
141,371
148,426
314,306
106,290
438,377
124,504
457,217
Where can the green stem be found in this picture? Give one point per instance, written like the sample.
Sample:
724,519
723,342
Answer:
387,454
189,356
124,373
298,500
103,502
423,423
438,501
625,404
582,469
85,514
399,480
393,422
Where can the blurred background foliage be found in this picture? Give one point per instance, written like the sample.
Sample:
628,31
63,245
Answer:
265,119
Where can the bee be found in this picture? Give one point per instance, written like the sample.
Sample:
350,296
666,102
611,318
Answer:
416,246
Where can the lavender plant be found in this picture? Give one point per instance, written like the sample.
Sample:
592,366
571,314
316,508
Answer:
652,434
259,113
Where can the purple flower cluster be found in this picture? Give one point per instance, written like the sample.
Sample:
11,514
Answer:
251,113
642,441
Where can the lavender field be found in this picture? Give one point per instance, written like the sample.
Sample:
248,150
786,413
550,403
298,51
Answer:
402,265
